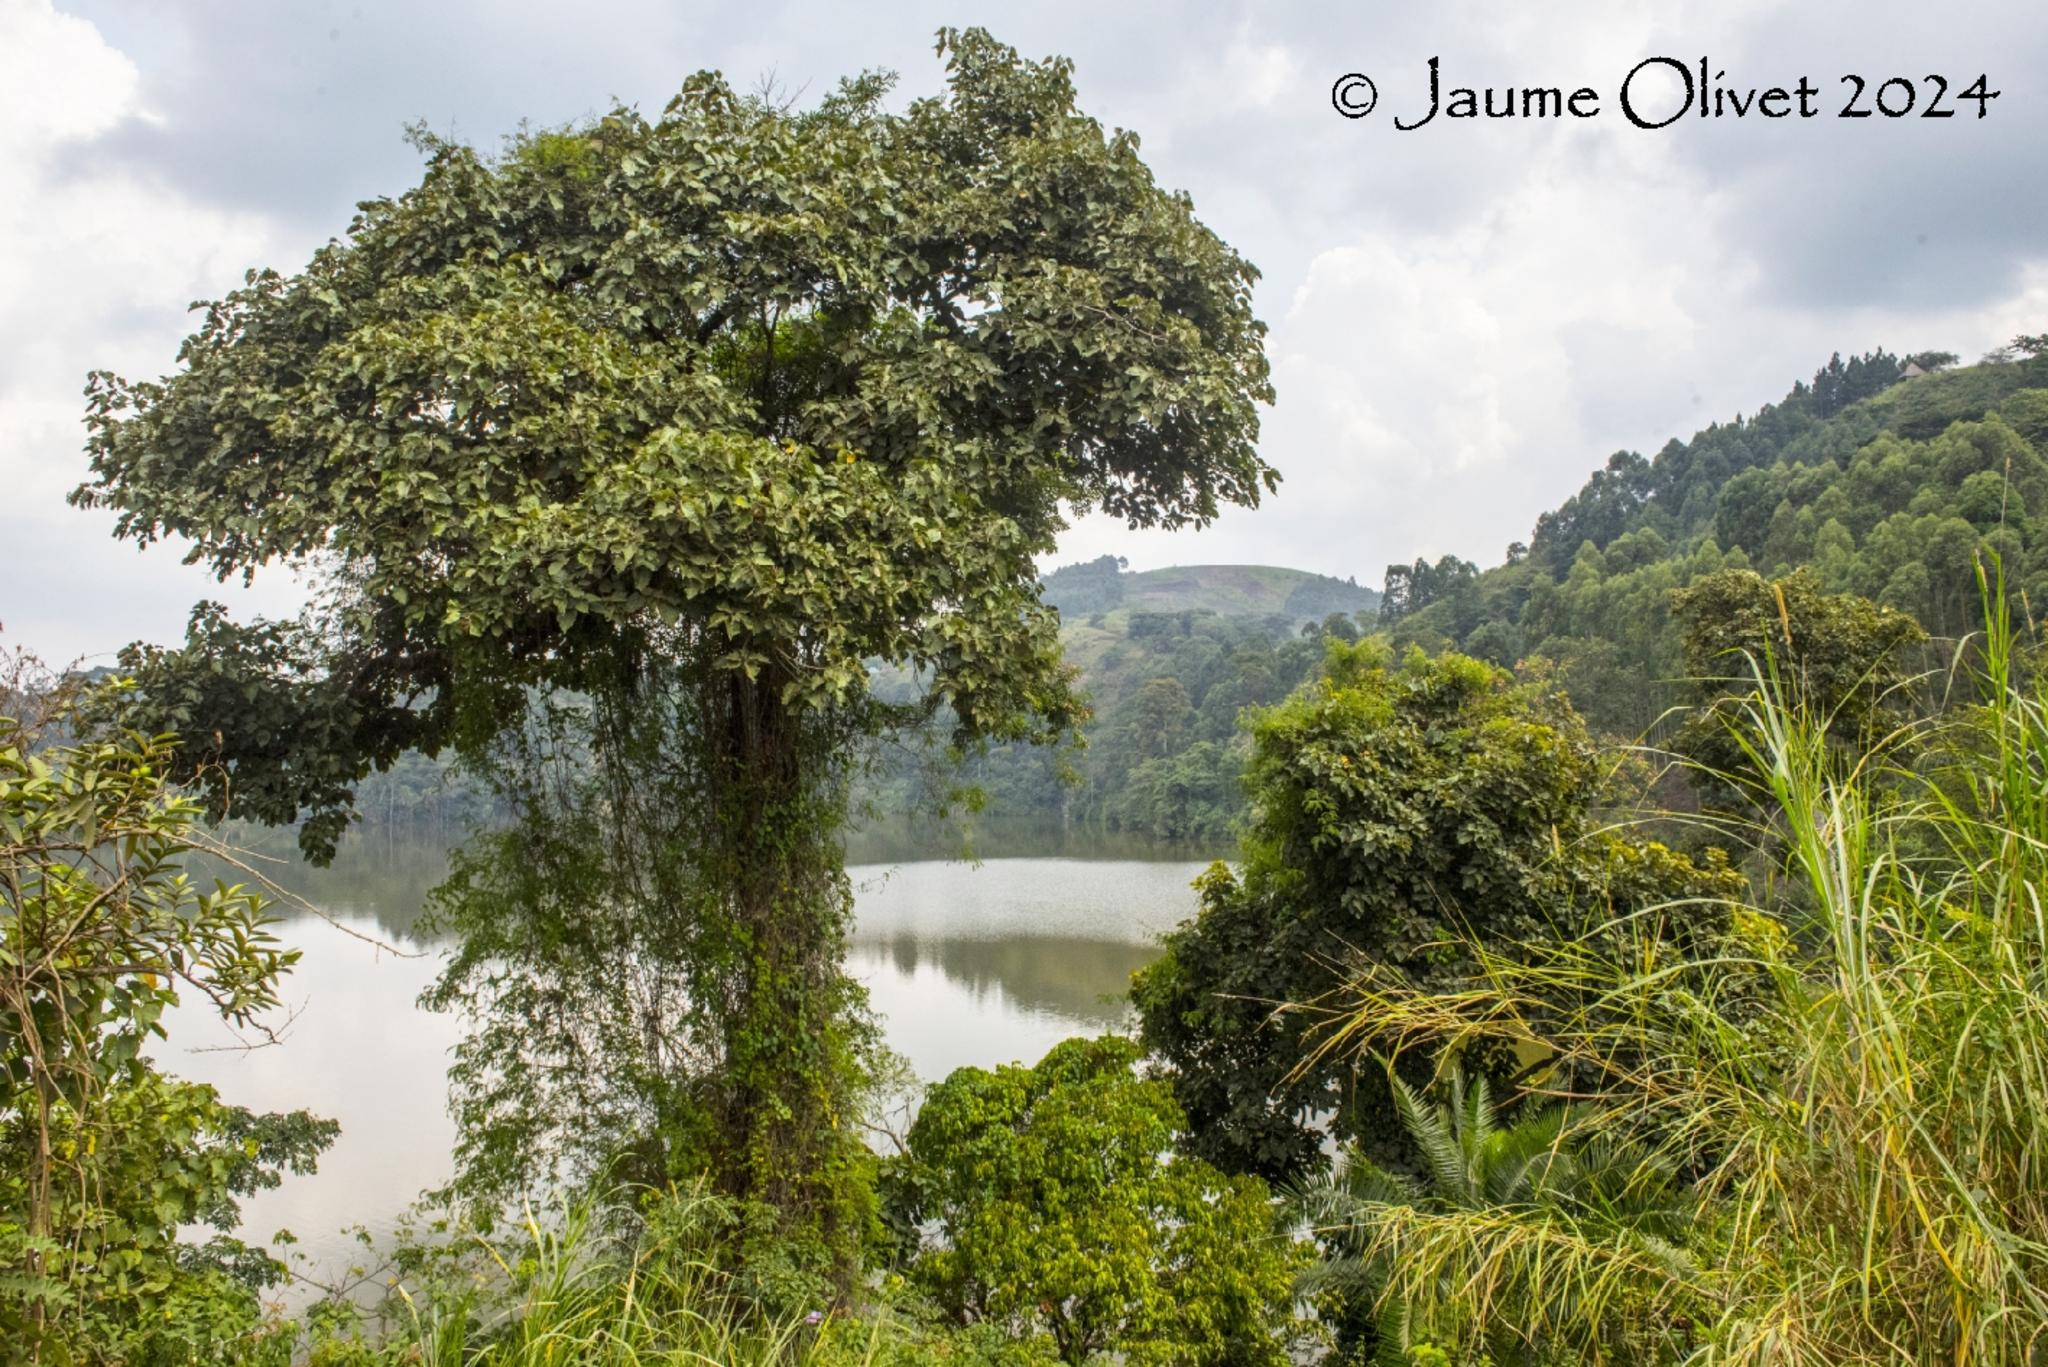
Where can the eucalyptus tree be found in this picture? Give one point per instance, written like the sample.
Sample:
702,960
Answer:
691,417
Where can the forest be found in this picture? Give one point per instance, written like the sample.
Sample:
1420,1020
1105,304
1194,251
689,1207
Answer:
1886,490
1632,952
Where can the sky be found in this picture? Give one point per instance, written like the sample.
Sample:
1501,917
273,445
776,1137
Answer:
1466,319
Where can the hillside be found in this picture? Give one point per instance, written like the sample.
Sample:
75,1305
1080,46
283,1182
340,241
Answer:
1245,591
1103,585
1167,658
1882,486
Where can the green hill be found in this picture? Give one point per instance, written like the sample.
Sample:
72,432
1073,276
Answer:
1883,484
1246,591
1104,585
1168,658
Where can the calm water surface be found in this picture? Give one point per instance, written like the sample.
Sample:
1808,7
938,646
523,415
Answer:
965,963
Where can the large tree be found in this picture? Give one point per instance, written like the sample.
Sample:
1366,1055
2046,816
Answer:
690,418
1402,812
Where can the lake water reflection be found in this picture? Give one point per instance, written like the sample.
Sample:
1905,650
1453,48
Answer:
965,964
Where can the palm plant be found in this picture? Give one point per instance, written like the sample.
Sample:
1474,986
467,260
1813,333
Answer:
1857,1078
1550,1170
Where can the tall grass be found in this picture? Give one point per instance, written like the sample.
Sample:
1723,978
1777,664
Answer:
591,1289
1858,1081
1892,1171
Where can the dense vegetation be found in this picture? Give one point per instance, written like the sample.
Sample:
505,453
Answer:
1847,1084
1166,659
628,450
666,468
1165,688
1881,487
1400,811
104,1159
1061,1209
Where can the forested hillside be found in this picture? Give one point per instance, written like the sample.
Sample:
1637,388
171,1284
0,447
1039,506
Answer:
1885,486
1168,658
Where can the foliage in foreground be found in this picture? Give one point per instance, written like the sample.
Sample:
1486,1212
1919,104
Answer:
1867,1118
1059,1208
1041,1216
1398,810
102,1157
653,1277
1549,1168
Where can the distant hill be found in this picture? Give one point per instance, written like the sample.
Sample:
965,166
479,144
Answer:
1103,585
1167,660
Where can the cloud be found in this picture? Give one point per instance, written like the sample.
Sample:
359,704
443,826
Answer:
1479,314
96,272
1915,212
1466,320
1437,390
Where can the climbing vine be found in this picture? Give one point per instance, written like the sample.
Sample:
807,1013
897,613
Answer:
684,421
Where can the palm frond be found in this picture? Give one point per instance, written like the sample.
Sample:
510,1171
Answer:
1434,1133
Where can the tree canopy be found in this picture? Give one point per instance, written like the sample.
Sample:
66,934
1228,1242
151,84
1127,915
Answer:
1842,656
1064,1212
1400,810
1888,490
690,418
798,388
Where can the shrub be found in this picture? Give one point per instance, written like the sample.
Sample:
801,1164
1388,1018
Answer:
103,1158
1061,1210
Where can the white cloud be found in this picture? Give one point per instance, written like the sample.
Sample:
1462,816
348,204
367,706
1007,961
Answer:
95,270
1465,320
1437,390
1254,75
58,81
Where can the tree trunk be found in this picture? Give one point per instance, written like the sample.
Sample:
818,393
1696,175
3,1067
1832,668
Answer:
790,1047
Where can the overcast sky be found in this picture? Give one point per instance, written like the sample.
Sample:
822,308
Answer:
1466,319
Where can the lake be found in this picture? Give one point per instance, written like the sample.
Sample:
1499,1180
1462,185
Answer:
965,963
